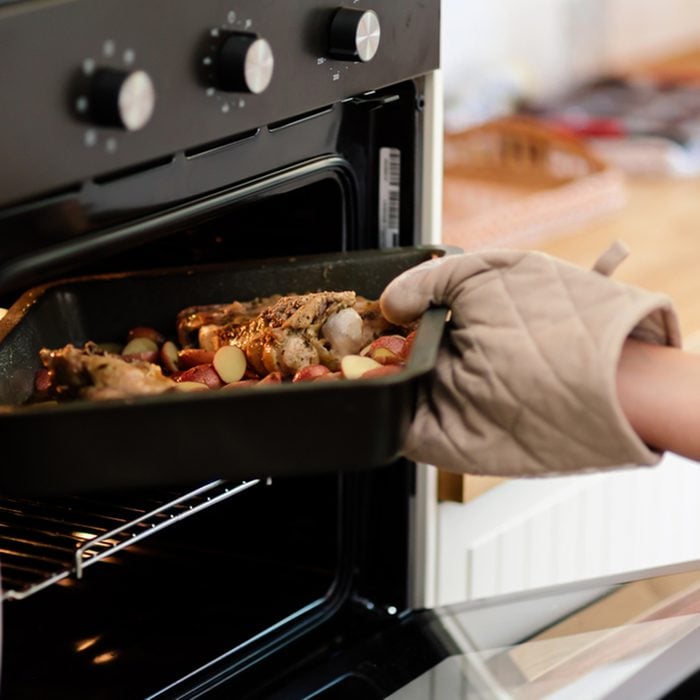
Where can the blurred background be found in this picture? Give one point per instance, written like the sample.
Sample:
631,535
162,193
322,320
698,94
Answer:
570,124
497,52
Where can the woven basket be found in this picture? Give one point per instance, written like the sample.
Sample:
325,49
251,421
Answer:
512,182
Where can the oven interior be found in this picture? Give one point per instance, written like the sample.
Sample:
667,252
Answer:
210,596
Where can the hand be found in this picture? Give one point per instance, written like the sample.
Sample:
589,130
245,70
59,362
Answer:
525,381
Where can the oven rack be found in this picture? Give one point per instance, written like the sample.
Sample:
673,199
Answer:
46,541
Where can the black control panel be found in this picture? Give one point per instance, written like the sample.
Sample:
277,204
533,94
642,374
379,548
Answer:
94,86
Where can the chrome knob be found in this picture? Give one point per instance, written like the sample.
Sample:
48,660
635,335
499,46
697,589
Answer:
354,34
121,99
245,63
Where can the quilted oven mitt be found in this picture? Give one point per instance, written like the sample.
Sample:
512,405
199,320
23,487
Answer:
524,384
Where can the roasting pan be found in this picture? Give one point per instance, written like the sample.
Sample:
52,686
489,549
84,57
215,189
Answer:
304,428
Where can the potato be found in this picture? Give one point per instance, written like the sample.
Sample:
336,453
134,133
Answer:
140,345
394,343
42,382
230,363
150,356
145,332
242,384
204,374
310,372
384,356
410,338
272,378
330,377
383,371
354,366
191,357
169,357
191,386
387,349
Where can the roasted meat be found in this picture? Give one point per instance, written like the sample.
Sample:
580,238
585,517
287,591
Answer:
92,373
285,336
191,319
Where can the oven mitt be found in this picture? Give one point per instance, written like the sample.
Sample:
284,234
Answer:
525,381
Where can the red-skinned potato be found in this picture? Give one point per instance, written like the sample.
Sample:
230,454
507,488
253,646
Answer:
272,378
387,349
395,343
191,357
242,384
169,357
42,383
204,374
330,377
310,372
145,332
410,338
383,371
384,356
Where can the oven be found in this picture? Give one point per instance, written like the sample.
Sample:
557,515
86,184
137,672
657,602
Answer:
153,150
262,545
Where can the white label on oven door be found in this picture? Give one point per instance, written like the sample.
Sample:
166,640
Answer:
389,196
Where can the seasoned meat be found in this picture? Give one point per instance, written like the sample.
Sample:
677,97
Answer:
191,319
286,335
94,374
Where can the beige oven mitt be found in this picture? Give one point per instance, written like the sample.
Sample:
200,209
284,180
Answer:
524,384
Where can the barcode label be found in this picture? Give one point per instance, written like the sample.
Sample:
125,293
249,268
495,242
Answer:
389,196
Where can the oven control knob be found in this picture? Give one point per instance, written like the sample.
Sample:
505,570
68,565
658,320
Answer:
121,98
245,63
354,34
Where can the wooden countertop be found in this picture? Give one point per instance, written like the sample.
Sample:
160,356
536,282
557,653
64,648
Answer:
661,226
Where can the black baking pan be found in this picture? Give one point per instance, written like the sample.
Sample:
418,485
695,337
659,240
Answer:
181,438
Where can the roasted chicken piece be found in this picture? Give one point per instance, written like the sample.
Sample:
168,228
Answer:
191,319
92,373
286,336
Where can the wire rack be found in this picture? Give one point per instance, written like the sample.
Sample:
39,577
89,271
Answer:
43,542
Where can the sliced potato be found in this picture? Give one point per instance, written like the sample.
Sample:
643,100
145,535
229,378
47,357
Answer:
310,372
204,374
136,346
354,366
230,363
169,356
191,386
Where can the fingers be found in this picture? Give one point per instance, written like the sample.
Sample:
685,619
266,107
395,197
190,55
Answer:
432,283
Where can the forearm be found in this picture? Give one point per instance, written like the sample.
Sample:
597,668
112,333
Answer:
659,391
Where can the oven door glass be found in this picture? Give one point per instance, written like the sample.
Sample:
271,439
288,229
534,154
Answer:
608,638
